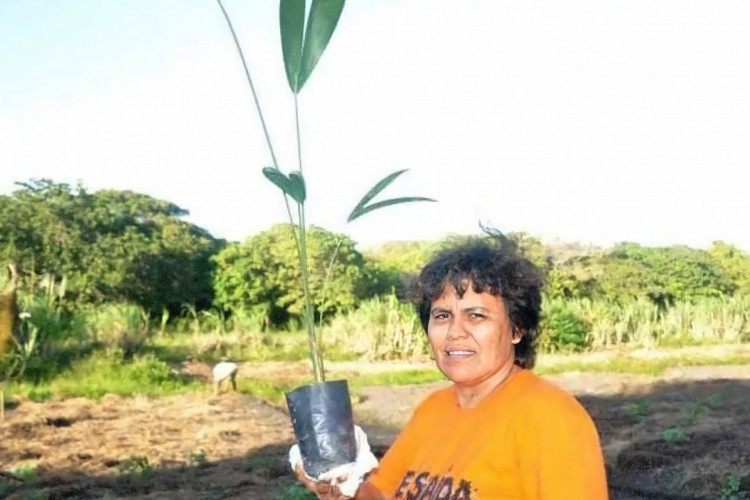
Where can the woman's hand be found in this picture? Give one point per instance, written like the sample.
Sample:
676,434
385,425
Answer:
324,490
342,482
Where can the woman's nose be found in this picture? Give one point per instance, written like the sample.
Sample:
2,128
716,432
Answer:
456,329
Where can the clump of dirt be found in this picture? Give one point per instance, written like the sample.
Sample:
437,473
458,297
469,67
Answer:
678,436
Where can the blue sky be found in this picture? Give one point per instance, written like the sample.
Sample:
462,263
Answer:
591,121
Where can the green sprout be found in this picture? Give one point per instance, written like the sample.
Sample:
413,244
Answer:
675,435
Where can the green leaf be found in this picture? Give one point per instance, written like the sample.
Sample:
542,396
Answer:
293,185
291,24
377,188
362,207
298,191
360,211
321,23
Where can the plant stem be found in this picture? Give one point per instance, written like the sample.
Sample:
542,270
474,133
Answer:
326,280
312,339
299,135
315,356
257,106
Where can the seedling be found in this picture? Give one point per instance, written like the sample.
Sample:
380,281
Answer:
197,458
715,400
675,435
733,489
27,472
137,467
295,492
640,409
696,410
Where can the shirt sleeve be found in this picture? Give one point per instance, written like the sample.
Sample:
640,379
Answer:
394,465
560,454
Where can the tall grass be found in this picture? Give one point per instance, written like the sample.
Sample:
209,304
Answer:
52,337
124,326
111,348
385,328
381,328
643,324
242,345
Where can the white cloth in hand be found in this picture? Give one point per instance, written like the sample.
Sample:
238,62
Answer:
353,473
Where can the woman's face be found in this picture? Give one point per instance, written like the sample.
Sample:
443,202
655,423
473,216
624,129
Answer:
471,336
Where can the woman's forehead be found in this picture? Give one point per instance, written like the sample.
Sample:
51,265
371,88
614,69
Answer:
459,286
463,289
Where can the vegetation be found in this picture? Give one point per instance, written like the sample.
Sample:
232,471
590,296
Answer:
295,492
260,277
115,288
676,435
733,489
112,284
108,372
106,246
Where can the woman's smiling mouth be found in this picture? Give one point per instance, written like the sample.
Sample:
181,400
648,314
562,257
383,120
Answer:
458,353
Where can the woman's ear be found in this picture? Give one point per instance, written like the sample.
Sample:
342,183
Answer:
516,336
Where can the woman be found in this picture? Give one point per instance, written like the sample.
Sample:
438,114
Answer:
499,432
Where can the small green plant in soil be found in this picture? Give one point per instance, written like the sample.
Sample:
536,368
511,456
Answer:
137,467
733,489
197,458
641,409
715,400
696,410
675,435
27,472
295,492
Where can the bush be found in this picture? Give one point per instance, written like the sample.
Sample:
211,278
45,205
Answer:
118,326
260,278
561,329
48,339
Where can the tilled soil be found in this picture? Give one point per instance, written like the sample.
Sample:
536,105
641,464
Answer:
198,446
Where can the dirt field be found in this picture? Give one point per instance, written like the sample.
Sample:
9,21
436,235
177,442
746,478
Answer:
201,447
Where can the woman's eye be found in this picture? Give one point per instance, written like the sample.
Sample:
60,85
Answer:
440,316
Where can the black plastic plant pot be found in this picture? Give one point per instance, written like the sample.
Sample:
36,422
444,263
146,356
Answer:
321,415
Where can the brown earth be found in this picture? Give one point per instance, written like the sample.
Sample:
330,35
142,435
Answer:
198,446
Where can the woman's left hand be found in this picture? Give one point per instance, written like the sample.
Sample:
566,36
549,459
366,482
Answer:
324,490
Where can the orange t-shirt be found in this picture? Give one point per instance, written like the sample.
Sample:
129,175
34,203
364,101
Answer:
528,440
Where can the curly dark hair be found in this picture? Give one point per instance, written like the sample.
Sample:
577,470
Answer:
492,265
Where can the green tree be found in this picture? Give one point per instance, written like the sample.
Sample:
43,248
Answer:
262,274
533,249
572,279
108,245
391,266
662,274
734,264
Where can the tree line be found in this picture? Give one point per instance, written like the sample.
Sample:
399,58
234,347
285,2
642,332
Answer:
107,246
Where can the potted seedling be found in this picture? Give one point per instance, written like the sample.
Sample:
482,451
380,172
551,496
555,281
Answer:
321,412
